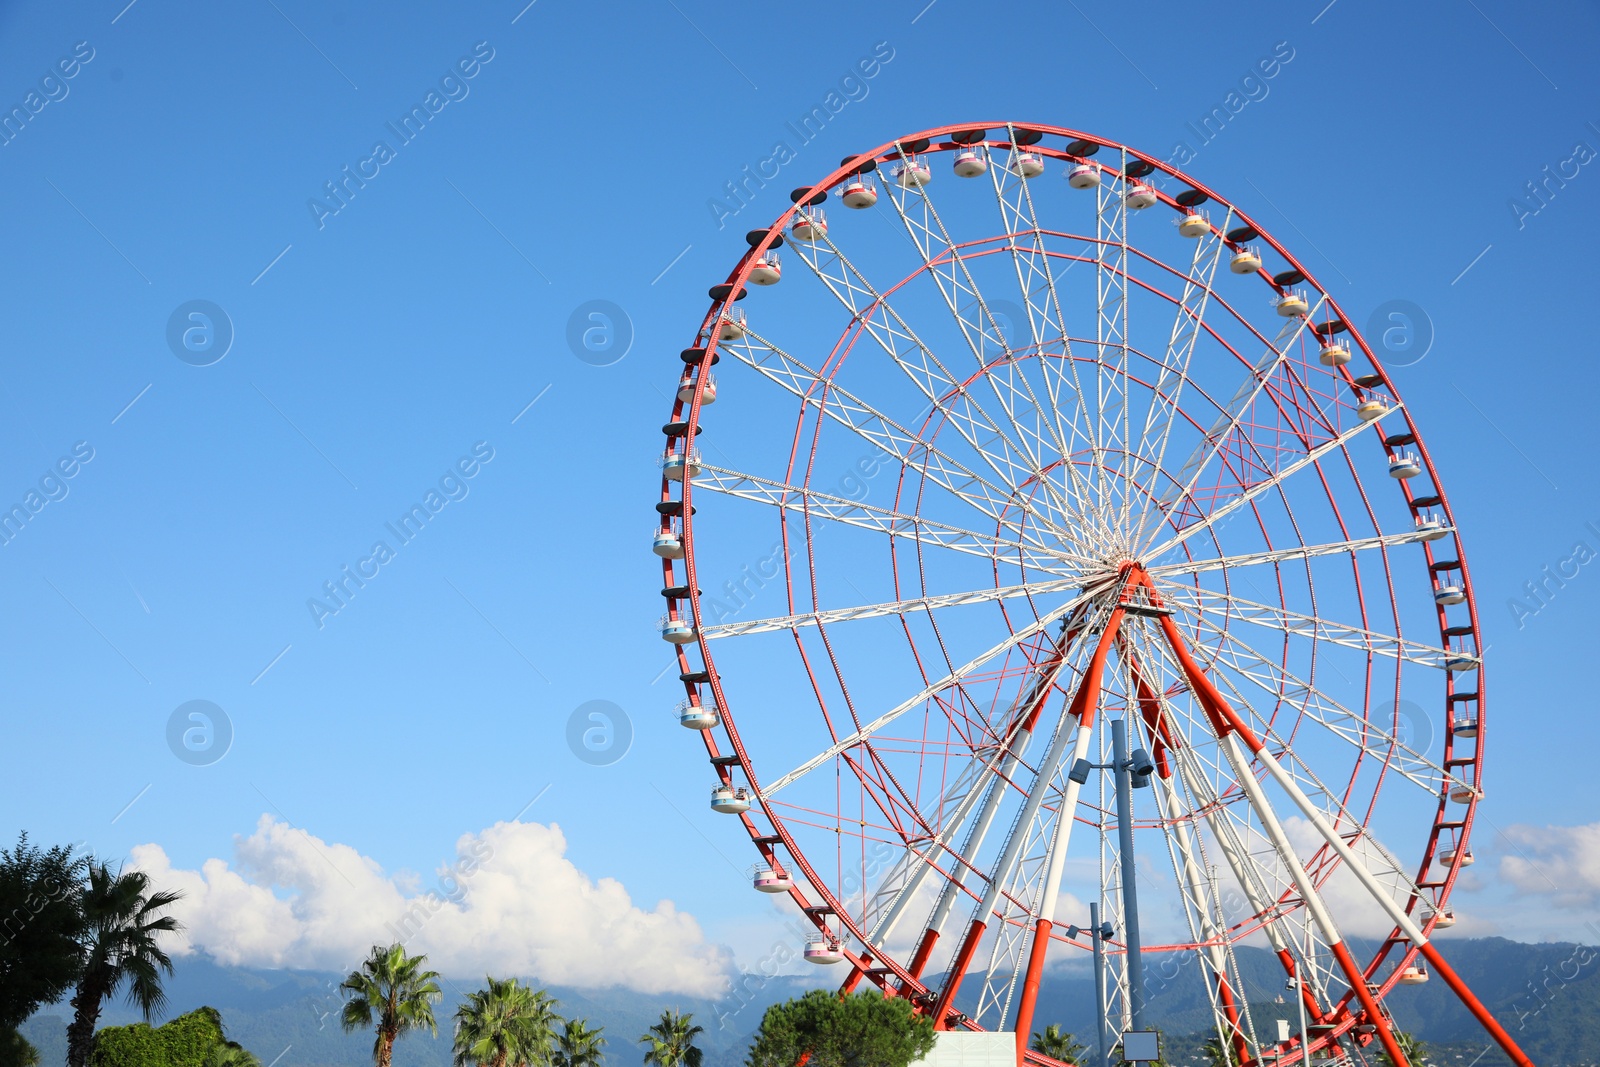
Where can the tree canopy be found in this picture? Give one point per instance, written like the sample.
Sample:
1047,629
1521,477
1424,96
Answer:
393,994
190,1040
860,1030
41,926
1057,1044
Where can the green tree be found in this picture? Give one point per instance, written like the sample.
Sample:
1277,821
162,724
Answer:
505,1025
579,1045
1057,1044
1217,1054
122,918
671,1041
860,1030
1415,1052
392,993
17,1051
190,1040
41,932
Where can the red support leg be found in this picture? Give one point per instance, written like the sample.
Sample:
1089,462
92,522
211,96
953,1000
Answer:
930,937
1241,1050
1475,1006
1358,982
958,970
1030,986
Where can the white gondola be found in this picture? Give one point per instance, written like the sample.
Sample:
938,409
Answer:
1371,409
675,464
686,389
911,173
1334,354
1087,176
1460,662
1444,919
1292,304
1245,261
970,163
692,716
766,270
1413,975
1405,465
1138,197
1462,793
1448,856
1464,726
667,544
771,878
810,224
731,324
1431,526
1195,225
1449,594
1027,165
859,192
824,950
675,631
730,800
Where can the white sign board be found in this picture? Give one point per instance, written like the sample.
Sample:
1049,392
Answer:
964,1048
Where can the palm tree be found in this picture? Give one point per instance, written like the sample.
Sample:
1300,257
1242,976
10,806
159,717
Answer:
230,1054
121,922
1216,1054
505,1025
392,992
671,1041
1057,1044
15,1049
579,1046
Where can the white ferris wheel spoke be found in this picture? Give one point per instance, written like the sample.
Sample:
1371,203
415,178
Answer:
1037,283
1197,601
1254,384
786,497
871,425
935,247
1111,344
892,607
954,678
1165,399
920,365
1318,707
1278,555
1257,489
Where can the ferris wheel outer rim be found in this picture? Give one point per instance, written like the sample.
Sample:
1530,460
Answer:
708,340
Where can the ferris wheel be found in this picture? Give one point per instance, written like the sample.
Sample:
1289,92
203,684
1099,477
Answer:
1054,573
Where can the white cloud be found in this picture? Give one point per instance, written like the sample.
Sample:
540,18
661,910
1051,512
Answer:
511,903
1560,862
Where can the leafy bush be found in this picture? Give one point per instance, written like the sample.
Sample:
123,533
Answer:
862,1030
186,1041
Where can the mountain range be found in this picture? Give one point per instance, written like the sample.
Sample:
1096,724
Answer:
1546,995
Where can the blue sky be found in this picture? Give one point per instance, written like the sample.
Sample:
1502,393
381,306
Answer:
376,347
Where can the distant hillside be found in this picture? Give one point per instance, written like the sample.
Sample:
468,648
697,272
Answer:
1547,995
